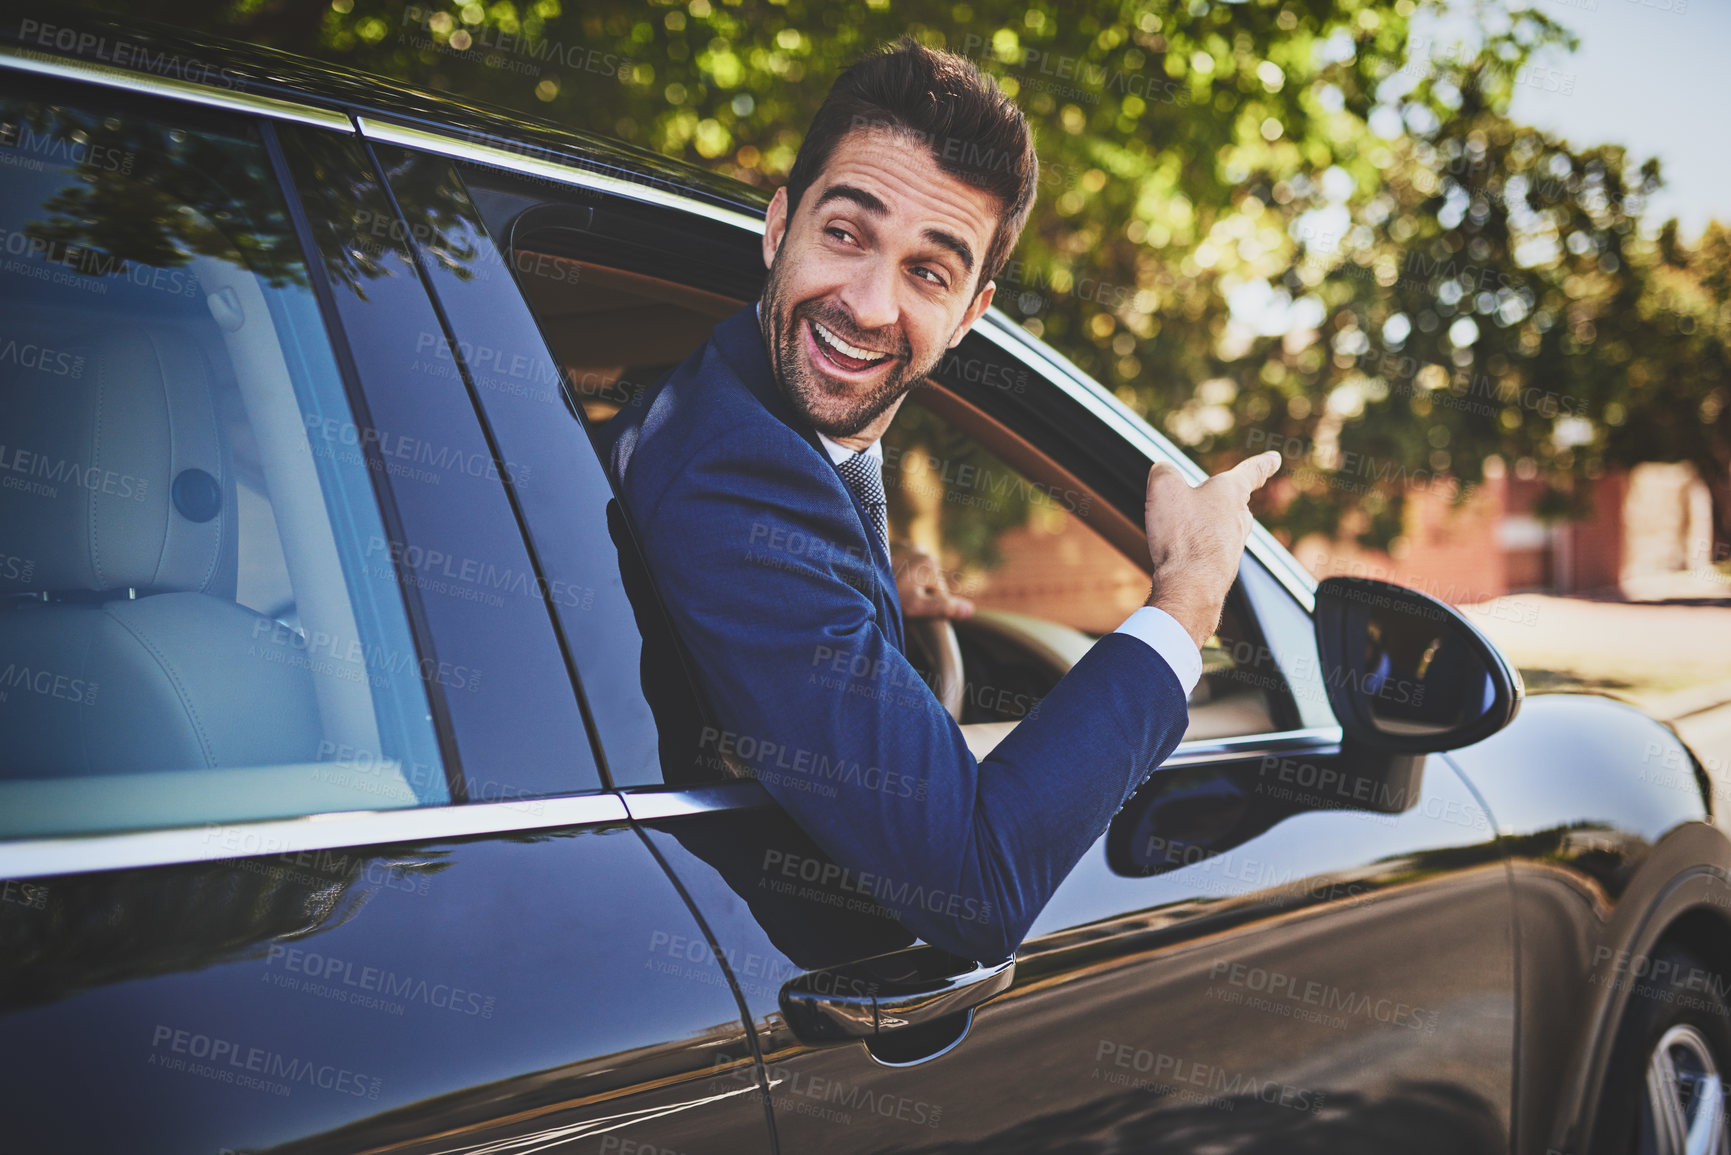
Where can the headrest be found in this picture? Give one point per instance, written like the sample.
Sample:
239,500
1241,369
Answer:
113,469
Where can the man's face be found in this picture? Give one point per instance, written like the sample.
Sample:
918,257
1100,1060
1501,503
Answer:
871,279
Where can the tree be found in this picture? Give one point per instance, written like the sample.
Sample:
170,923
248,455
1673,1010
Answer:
1679,397
1309,224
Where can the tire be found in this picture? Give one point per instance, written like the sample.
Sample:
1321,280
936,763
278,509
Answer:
1666,1092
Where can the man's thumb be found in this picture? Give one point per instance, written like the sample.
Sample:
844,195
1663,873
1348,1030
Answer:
1253,472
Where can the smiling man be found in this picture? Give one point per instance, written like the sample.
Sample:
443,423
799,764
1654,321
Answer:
752,476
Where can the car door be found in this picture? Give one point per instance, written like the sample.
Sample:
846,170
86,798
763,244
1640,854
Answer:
1272,945
314,849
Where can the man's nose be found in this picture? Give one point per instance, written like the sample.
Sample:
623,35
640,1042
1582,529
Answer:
871,296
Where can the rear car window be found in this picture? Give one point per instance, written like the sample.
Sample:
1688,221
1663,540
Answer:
190,629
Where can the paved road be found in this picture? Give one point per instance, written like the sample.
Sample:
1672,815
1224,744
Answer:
1665,645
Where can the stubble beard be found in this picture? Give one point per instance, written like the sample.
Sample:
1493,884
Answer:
804,386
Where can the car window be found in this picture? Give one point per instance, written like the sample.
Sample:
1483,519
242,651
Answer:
1027,544
192,628
1043,558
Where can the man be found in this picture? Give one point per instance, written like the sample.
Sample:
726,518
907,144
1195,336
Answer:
750,475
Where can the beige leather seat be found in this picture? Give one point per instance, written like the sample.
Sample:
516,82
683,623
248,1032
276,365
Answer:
122,648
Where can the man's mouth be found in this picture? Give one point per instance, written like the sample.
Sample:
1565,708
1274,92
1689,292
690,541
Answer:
842,354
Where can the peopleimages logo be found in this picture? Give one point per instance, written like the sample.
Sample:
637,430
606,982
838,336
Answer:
46,684
1179,1074
770,759
41,358
1152,88
82,266
879,888
831,1099
126,54
488,41
41,475
227,1061
363,979
64,150
1286,994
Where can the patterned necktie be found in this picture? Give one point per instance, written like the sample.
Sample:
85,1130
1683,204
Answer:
864,475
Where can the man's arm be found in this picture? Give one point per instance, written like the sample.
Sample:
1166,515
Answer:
758,557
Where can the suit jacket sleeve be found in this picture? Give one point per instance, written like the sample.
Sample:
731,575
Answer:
760,556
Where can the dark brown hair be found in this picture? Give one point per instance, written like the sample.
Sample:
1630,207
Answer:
976,133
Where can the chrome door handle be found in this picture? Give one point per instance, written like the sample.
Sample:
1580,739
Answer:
855,1001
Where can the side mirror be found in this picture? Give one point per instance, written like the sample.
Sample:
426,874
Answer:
1406,673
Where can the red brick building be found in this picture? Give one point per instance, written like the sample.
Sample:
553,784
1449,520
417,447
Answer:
1642,522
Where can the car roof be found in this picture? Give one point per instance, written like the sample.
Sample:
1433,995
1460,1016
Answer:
103,47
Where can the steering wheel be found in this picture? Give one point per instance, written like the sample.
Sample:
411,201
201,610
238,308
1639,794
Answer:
931,639
935,640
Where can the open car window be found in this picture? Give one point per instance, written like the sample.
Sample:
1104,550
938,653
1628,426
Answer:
1050,565
1043,559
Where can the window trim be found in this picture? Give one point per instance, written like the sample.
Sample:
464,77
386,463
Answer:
421,140
211,841
208,842
109,76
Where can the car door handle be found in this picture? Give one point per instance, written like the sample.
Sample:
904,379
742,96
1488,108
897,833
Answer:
868,999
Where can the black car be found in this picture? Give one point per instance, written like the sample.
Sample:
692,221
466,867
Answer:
338,815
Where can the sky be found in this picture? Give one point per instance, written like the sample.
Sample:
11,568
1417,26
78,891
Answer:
1652,75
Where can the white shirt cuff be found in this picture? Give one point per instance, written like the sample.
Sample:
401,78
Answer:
1170,640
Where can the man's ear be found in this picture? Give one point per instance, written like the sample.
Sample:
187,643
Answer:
774,225
981,302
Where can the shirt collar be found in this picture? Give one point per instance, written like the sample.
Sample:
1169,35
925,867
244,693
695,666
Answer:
839,453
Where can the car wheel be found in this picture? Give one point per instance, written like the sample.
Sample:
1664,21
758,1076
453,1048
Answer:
1665,1090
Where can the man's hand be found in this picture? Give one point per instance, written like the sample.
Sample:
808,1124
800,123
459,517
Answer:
1196,535
921,587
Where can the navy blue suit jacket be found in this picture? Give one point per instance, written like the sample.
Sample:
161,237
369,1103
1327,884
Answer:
786,603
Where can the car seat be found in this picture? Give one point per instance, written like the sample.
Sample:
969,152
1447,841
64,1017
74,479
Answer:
122,648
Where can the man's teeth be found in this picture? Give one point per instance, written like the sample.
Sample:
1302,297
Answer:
842,346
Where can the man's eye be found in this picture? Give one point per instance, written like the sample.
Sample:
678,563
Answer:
929,274
839,233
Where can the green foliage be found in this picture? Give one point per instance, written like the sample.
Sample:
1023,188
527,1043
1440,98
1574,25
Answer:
159,197
1437,284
